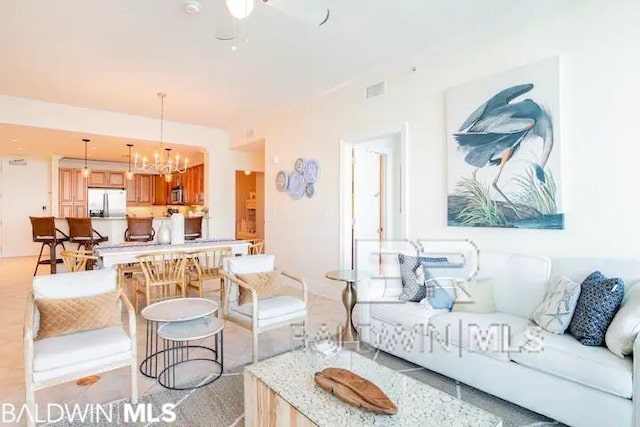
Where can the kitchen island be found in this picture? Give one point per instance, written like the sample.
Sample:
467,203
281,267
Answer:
115,227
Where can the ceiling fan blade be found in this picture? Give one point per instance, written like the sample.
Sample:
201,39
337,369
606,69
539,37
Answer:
311,11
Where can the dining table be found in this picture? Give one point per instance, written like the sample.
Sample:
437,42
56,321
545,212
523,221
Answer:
110,256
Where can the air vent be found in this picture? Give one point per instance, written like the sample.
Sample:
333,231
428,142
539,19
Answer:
377,89
18,162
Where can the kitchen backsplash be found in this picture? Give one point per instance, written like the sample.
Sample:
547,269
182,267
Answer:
157,211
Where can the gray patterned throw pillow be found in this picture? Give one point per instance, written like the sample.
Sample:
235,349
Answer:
556,310
412,288
598,303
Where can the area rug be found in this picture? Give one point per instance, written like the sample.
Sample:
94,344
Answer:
220,404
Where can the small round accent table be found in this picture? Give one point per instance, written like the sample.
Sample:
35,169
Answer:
173,310
179,352
349,298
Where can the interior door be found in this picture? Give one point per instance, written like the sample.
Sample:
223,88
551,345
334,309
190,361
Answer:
367,200
18,179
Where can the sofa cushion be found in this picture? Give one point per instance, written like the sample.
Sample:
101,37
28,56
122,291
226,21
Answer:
625,325
75,285
271,307
519,281
597,305
564,356
474,296
407,314
488,334
75,349
556,310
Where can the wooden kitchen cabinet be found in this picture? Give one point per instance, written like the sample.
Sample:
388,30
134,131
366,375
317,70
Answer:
98,179
145,189
161,190
193,183
107,179
140,190
130,188
116,179
65,183
72,193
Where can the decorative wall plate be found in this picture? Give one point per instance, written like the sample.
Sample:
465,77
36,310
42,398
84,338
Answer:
312,171
282,181
309,190
297,185
300,165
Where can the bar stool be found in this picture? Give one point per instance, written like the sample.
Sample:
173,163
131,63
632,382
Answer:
44,231
81,231
139,229
192,228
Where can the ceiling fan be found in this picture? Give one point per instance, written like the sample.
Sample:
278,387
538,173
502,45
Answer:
232,12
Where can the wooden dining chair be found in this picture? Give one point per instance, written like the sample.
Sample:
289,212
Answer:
44,231
164,277
256,247
205,265
192,228
77,260
139,229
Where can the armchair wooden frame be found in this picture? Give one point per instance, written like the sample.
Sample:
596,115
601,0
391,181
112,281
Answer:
31,387
253,324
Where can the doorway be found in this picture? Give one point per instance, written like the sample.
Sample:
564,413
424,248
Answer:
249,205
372,194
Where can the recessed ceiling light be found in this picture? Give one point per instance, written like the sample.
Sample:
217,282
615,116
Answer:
89,155
14,140
93,148
234,48
19,148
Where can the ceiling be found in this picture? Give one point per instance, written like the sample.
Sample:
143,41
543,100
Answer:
27,141
115,55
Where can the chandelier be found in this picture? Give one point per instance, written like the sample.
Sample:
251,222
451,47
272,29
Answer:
164,164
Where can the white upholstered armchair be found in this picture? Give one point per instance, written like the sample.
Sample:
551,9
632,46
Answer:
59,359
264,314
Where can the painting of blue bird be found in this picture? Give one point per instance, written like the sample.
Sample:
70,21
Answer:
501,174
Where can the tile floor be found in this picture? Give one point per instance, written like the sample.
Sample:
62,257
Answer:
15,282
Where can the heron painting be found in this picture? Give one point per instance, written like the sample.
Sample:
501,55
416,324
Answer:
503,150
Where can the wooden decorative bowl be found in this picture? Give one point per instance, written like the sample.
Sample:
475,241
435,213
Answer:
355,390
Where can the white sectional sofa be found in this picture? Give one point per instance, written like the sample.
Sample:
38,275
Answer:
562,379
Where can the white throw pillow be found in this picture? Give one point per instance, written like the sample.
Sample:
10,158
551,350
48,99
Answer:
474,297
625,325
556,309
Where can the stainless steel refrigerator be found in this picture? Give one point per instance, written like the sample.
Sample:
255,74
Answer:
107,202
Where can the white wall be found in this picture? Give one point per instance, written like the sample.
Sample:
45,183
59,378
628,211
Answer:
598,47
220,161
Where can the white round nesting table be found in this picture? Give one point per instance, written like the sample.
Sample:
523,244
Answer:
169,311
179,352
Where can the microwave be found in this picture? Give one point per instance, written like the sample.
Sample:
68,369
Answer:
177,195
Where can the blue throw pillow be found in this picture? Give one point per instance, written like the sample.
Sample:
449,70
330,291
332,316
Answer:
439,296
598,303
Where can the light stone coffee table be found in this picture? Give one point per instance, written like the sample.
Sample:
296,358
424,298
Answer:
173,310
282,391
